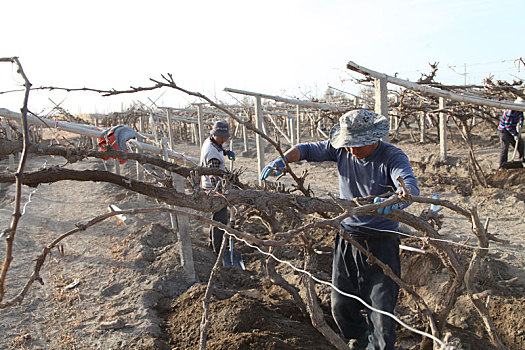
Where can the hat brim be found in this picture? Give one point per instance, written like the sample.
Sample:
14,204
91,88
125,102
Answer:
359,138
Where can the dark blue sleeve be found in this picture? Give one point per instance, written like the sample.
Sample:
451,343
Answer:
317,151
400,166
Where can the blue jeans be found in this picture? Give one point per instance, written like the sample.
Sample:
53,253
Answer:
352,274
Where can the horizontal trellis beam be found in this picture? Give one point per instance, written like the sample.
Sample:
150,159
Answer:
220,114
89,130
426,90
309,104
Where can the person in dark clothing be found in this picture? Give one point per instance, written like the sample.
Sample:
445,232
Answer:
509,134
367,167
212,156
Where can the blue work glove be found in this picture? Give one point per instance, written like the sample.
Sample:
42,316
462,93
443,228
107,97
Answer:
278,163
230,154
385,210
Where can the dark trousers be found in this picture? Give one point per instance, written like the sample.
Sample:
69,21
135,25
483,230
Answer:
353,275
216,234
507,139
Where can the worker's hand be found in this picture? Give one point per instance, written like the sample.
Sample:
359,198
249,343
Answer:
230,154
384,210
278,163
516,137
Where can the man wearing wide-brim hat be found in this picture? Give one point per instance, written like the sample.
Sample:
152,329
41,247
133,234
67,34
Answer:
212,156
368,167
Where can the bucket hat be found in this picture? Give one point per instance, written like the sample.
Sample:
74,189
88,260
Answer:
358,128
221,129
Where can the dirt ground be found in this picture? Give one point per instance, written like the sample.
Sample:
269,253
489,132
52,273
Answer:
120,285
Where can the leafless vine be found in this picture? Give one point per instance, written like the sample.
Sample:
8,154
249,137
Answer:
260,202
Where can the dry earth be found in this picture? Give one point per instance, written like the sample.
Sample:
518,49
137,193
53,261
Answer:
120,285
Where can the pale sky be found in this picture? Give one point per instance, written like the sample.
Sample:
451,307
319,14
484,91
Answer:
290,48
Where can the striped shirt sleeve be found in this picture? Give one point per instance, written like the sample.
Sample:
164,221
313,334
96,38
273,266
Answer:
509,121
215,163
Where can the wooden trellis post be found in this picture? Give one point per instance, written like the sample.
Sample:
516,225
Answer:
442,131
381,100
259,142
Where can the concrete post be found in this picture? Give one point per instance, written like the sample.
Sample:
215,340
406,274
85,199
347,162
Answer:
170,129
140,173
200,124
422,127
9,137
236,129
298,124
231,149
154,127
181,223
442,131
381,100
195,134
292,130
312,124
259,142
263,124
245,138
185,250
117,166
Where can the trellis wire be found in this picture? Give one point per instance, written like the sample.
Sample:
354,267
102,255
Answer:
443,345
